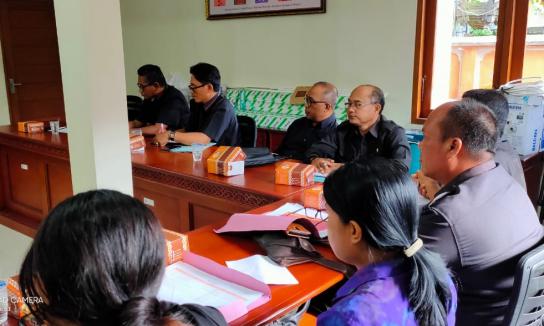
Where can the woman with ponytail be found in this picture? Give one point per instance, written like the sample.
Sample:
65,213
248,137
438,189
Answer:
373,225
98,259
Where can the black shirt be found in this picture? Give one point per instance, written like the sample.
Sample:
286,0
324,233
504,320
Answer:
169,108
216,119
302,133
385,138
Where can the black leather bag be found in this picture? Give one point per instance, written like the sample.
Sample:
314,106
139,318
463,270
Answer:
286,251
259,156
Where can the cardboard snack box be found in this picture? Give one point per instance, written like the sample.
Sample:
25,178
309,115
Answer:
30,126
292,173
313,197
17,307
137,143
176,244
227,160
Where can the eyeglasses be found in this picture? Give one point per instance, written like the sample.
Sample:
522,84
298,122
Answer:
308,101
311,213
193,87
357,104
142,86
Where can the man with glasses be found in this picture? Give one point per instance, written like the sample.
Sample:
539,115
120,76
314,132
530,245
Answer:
366,133
163,107
212,116
318,123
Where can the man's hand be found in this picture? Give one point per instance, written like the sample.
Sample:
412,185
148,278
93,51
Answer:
323,165
427,187
161,138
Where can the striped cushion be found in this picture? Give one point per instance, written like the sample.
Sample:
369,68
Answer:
271,109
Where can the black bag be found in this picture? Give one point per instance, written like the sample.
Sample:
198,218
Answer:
259,156
286,251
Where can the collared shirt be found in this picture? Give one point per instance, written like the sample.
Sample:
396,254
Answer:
208,104
217,120
385,138
302,133
378,295
507,157
169,108
481,223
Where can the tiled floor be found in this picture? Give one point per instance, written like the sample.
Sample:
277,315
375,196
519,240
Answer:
13,248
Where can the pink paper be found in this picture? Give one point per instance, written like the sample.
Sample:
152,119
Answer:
257,222
236,309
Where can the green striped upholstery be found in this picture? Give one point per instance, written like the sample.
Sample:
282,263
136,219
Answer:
271,109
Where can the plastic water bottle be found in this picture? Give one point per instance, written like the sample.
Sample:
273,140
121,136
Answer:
3,302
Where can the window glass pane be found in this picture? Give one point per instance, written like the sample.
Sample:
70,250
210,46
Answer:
533,60
464,48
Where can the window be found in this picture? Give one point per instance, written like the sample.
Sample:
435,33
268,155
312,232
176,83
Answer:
466,44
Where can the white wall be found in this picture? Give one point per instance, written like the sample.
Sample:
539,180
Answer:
355,42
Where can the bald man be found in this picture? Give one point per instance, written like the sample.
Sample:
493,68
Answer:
481,221
318,123
366,133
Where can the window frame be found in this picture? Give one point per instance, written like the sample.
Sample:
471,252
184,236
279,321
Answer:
509,50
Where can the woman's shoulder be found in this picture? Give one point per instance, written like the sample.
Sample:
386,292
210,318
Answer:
377,302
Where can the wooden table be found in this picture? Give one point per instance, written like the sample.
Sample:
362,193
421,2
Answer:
188,197
36,176
313,278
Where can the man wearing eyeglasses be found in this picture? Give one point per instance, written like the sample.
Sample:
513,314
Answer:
318,123
212,116
163,104
366,133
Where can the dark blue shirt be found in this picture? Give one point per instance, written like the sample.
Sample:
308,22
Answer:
302,133
216,119
169,108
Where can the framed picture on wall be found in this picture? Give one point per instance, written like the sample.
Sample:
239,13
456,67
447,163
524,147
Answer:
223,9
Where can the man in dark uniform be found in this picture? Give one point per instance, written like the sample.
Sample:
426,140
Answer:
505,154
163,104
366,132
212,116
481,221
318,123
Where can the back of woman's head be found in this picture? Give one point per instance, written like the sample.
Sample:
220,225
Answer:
92,254
379,196
152,312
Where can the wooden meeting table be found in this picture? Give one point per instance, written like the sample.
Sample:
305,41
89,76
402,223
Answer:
35,176
313,278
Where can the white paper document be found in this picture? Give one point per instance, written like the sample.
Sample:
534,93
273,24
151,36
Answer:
263,269
183,283
293,208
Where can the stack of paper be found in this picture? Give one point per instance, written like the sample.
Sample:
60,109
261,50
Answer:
202,281
189,148
264,269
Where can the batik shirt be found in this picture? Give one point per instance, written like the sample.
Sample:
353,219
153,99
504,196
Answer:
378,295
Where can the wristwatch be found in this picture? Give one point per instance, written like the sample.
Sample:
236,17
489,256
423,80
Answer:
171,135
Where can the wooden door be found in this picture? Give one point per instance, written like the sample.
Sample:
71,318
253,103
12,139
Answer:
28,36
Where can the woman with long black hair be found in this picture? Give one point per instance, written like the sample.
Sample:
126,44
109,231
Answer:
98,259
373,225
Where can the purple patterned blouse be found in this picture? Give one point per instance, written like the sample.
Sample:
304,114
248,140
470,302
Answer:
375,295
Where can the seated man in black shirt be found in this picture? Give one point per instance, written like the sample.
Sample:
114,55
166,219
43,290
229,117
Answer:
319,121
163,104
365,133
212,116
